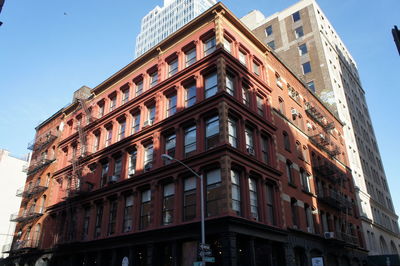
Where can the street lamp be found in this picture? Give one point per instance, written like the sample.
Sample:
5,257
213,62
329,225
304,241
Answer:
203,235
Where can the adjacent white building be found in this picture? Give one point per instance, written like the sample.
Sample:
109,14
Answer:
12,178
306,41
162,21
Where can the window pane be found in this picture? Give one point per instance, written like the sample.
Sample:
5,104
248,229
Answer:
306,67
191,57
268,30
230,84
209,46
210,85
190,96
213,177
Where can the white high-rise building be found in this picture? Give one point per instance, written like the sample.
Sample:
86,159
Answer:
162,21
306,41
12,178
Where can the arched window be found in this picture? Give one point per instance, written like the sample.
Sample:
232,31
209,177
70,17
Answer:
42,206
384,248
281,106
393,246
37,235
286,141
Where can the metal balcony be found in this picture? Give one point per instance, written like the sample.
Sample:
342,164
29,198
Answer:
26,216
37,165
25,193
342,237
42,141
335,200
24,244
328,171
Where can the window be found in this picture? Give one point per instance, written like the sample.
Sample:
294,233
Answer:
108,137
190,57
243,57
281,106
151,114
99,218
171,105
189,199
289,172
296,16
117,168
209,46
190,95
253,198
303,49
210,85
232,131
125,96
101,109
230,84
112,217
299,32
306,67
298,150
190,140
214,192
212,132
246,95
309,218
235,180
145,217
260,105
139,88
295,216
265,149
86,222
311,86
128,213
305,180
270,200
132,163
227,45
113,102
256,68
121,130
170,144
104,174
148,157
249,141
271,44
268,30
173,67
286,141
168,204
135,123
96,144
153,79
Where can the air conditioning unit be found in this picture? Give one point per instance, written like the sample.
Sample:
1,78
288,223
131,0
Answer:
329,235
279,84
322,136
295,112
250,150
148,123
131,172
310,230
112,179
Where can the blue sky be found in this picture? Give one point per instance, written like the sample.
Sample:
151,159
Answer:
48,49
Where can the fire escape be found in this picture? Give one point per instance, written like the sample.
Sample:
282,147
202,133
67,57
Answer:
322,139
76,181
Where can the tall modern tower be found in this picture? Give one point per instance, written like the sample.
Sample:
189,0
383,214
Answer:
162,21
305,39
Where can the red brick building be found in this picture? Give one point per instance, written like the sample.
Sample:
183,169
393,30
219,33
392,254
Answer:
278,191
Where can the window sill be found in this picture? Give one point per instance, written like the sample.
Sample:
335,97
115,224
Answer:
308,192
292,184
